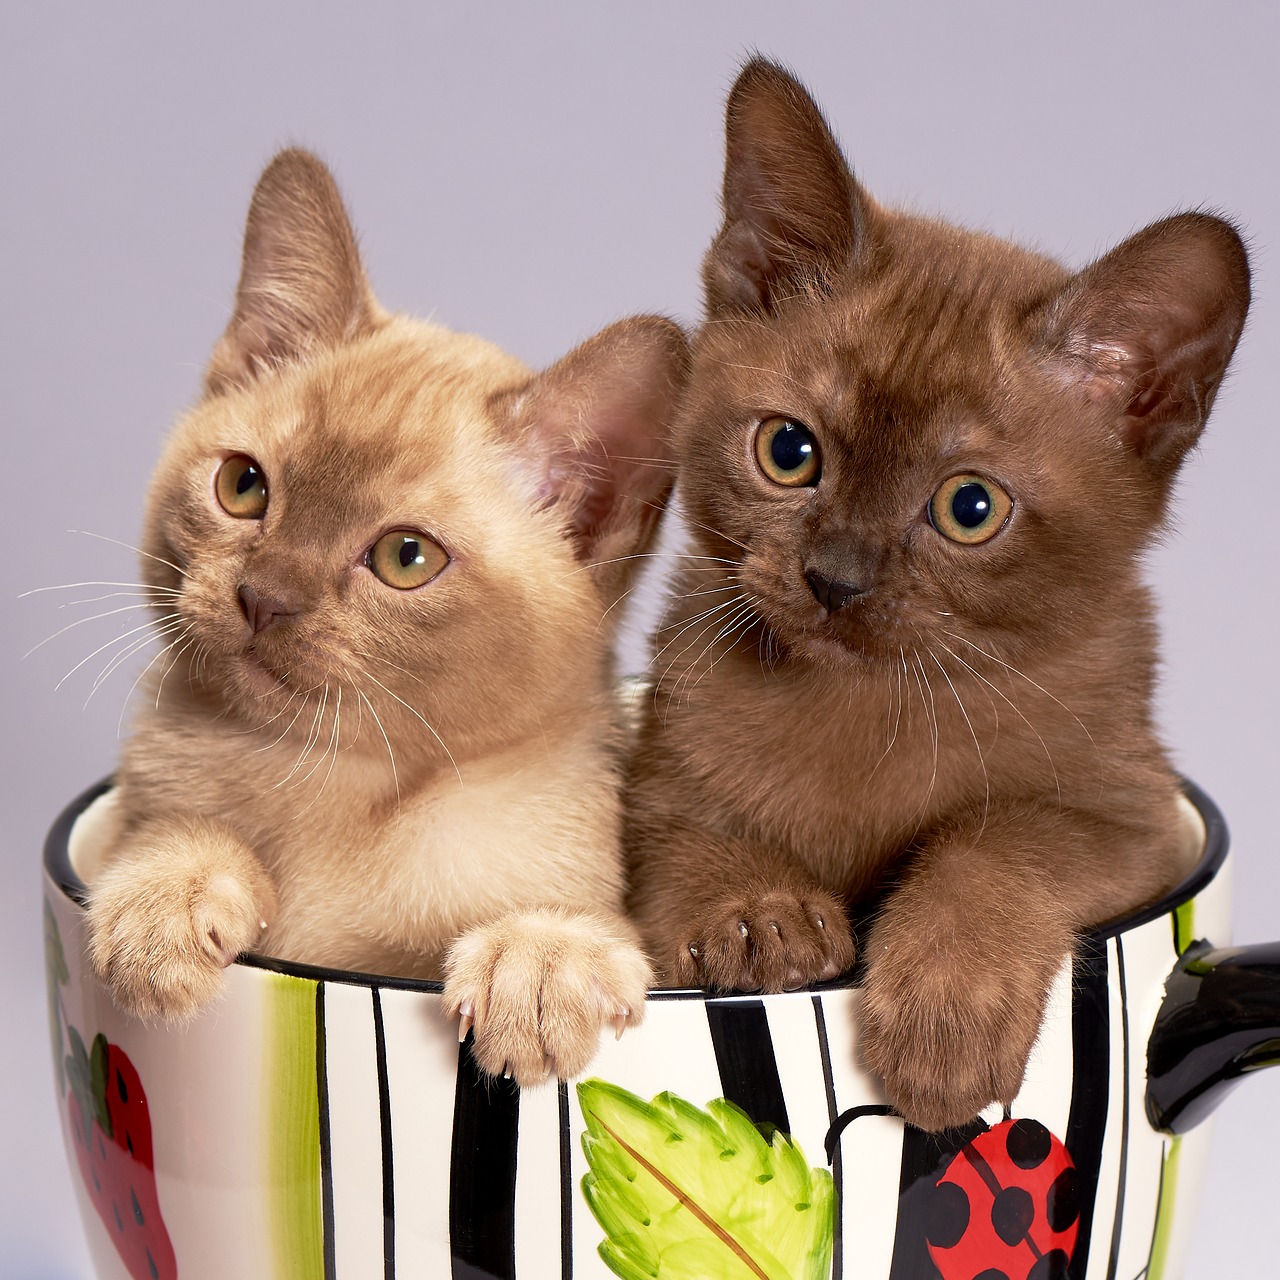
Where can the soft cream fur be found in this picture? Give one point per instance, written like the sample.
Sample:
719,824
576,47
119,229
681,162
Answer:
423,782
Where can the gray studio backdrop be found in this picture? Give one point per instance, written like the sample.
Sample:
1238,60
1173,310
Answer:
531,173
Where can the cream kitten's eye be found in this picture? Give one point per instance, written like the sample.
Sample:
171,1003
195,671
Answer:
787,452
405,559
241,487
969,509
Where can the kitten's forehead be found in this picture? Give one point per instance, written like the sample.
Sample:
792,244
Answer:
400,425
915,356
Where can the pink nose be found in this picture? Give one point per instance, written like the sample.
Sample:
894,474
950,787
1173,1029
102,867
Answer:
262,610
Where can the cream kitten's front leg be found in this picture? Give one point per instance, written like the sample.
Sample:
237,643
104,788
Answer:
538,986
171,910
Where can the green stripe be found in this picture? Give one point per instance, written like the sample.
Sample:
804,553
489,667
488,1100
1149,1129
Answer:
1168,1203
292,1129
1184,925
1184,934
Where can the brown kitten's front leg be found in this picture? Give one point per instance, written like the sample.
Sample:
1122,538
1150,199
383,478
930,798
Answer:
721,912
960,962
171,910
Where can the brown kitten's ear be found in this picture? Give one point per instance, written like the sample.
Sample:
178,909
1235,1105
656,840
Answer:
793,214
301,282
596,431
1148,331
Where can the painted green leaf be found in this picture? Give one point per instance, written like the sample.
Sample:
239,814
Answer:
56,974
689,1194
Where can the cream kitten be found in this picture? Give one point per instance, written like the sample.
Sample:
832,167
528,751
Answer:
383,737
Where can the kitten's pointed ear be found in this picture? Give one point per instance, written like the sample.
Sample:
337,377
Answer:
793,213
596,429
302,285
1147,331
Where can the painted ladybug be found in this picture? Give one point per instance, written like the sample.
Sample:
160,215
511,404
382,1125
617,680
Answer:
1006,1207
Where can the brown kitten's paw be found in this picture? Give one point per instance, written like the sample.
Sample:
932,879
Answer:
537,987
947,1044
161,940
775,940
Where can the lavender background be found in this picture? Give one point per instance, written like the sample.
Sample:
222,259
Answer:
531,173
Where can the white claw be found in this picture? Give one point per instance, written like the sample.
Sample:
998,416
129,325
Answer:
262,926
466,1011
620,1022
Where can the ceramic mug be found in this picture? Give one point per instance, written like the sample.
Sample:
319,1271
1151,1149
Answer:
324,1124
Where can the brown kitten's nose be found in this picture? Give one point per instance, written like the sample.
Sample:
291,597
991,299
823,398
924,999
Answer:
831,594
262,610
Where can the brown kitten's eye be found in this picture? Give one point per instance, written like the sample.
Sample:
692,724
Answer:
405,559
787,452
969,509
241,488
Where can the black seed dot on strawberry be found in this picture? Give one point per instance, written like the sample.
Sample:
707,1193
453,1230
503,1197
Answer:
1053,1266
128,1142
1063,1205
115,1209
946,1215
1028,1143
1012,1213
97,1186
137,1208
151,1266
120,1087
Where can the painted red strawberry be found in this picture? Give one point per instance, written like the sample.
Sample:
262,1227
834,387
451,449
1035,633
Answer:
111,1133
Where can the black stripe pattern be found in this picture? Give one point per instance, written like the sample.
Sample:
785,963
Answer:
482,1174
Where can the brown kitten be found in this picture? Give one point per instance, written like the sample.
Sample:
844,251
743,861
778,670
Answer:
384,734
921,465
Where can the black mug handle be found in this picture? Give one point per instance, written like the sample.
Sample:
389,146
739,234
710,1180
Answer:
1219,1021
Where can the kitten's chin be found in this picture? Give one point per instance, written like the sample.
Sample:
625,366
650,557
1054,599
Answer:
255,678
833,652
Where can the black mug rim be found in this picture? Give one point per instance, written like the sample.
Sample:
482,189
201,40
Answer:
57,864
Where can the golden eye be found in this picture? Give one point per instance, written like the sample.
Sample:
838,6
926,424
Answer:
969,509
787,452
241,488
405,559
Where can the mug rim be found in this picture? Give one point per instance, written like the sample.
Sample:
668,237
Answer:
57,865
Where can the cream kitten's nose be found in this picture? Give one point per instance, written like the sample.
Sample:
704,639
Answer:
262,610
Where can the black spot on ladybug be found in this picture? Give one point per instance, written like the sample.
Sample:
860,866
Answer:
137,1208
151,1266
120,1087
1053,1266
1028,1143
992,1273
1012,1213
947,1215
1063,1203
115,1209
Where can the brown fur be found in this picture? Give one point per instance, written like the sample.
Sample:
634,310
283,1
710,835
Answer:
972,732
419,782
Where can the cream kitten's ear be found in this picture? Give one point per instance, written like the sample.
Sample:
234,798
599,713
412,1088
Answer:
596,430
301,282
1147,331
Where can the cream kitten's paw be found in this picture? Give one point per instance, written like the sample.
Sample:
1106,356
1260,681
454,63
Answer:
162,935
538,986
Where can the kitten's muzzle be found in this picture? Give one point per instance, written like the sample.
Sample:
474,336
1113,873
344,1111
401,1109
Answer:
264,609
831,593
